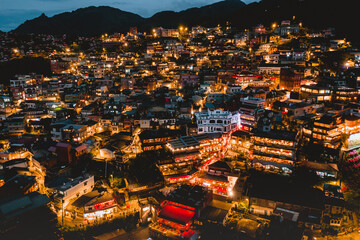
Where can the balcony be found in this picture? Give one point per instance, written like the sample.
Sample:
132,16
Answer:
280,146
272,155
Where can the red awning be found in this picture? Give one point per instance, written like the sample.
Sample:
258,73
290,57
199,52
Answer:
176,214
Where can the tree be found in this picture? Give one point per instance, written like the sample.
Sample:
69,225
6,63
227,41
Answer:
117,182
143,168
243,207
119,198
24,65
302,176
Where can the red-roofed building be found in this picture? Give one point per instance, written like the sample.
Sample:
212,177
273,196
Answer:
174,222
177,213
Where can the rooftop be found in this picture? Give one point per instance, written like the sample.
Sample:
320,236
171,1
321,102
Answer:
275,134
176,214
192,196
278,188
73,182
23,204
192,140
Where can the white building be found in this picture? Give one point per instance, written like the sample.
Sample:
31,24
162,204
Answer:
269,69
233,89
75,188
21,81
271,58
217,121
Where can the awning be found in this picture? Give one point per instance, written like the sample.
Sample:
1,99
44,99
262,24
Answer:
176,214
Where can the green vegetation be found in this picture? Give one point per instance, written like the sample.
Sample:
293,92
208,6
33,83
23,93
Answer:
23,65
117,182
143,168
302,176
243,206
334,61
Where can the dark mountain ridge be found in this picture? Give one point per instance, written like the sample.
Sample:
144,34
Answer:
209,15
92,21
84,21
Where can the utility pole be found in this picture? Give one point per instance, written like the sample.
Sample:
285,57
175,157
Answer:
62,212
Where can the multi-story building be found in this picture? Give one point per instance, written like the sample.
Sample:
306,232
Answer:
272,58
335,214
286,28
232,88
156,139
18,93
328,130
189,79
293,108
74,133
274,150
240,142
73,189
290,79
270,69
345,94
179,212
194,145
5,103
317,93
15,126
271,195
218,178
32,92
218,97
246,78
14,153
25,87
250,111
20,81
164,32
187,152
95,205
217,121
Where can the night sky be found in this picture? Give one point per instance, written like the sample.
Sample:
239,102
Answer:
15,12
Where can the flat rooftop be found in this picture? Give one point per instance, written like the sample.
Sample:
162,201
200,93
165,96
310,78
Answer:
279,135
192,140
73,182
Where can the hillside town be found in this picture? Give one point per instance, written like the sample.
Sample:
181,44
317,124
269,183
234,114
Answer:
183,133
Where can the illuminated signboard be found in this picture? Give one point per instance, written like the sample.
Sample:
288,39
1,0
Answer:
354,140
